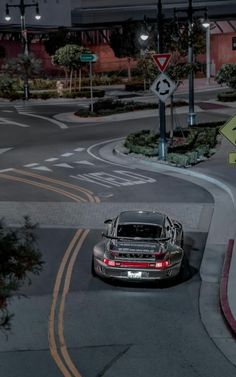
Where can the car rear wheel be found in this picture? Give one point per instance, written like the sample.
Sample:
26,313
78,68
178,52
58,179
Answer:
184,273
93,269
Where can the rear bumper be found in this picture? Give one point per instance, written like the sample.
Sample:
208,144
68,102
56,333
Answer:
135,274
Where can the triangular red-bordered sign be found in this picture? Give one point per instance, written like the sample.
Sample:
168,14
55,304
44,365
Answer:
161,60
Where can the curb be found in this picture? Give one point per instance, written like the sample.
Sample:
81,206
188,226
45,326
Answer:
224,302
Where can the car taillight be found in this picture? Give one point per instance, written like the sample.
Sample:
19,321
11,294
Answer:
109,262
134,264
162,264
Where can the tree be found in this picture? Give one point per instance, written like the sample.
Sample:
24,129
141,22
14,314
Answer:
59,39
24,66
227,75
124,42
19,258
68,57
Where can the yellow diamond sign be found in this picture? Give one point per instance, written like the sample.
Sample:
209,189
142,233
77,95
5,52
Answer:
232,158
228,130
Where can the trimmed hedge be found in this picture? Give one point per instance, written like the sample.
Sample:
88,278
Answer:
133,86
227,96
197,145
110,106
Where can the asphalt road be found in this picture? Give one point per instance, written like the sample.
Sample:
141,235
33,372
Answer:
88,326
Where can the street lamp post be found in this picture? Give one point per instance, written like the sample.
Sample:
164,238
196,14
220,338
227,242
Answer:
162,110
22,6
191,113
190,11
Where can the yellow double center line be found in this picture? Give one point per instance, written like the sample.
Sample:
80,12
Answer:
57,343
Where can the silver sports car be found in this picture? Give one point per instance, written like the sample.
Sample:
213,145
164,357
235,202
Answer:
140,245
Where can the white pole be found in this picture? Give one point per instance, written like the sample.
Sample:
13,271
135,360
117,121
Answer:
208,54
91,84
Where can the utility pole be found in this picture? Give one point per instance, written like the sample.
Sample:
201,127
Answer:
162,108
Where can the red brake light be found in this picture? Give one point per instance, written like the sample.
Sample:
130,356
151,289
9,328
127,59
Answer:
162,264
134,264
109,262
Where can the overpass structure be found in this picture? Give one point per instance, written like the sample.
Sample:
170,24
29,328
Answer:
91,14
106,12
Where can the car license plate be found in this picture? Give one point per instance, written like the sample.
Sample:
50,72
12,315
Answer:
134,275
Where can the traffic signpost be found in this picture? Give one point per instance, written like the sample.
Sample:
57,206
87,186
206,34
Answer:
89,58
228,130
163,87
232,158
161,60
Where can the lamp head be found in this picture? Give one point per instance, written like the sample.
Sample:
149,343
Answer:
7,16
37,16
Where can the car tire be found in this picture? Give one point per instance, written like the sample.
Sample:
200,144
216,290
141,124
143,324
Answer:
93,272
184,273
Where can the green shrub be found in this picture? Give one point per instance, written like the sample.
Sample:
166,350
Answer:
227,96
192,157
191,135
202,150
6,85
43,95
83,93
134,86
227,75
41,84
178,159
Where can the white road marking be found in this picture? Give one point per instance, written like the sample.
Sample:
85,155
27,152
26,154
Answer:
59,124
7,121
4,170
31,165
67,154
79,149
84,162
7,111
124,178
102,159
3,150
83,178
64,165
52,159
43,168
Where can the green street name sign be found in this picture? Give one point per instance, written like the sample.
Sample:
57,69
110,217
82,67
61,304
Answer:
86,58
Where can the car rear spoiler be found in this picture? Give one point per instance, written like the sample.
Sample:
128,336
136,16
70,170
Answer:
163,239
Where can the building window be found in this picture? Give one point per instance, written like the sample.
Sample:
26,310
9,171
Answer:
234,43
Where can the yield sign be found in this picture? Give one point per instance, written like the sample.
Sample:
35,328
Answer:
161,60
228,130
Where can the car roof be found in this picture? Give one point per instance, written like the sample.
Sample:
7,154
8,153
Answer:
146,217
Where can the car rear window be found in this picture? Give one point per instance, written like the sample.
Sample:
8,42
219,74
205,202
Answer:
139,230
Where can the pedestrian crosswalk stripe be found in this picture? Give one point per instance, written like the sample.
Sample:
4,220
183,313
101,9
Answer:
43,168
52,159
84,162
64,165
31,165
67,154
3,150
79,149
